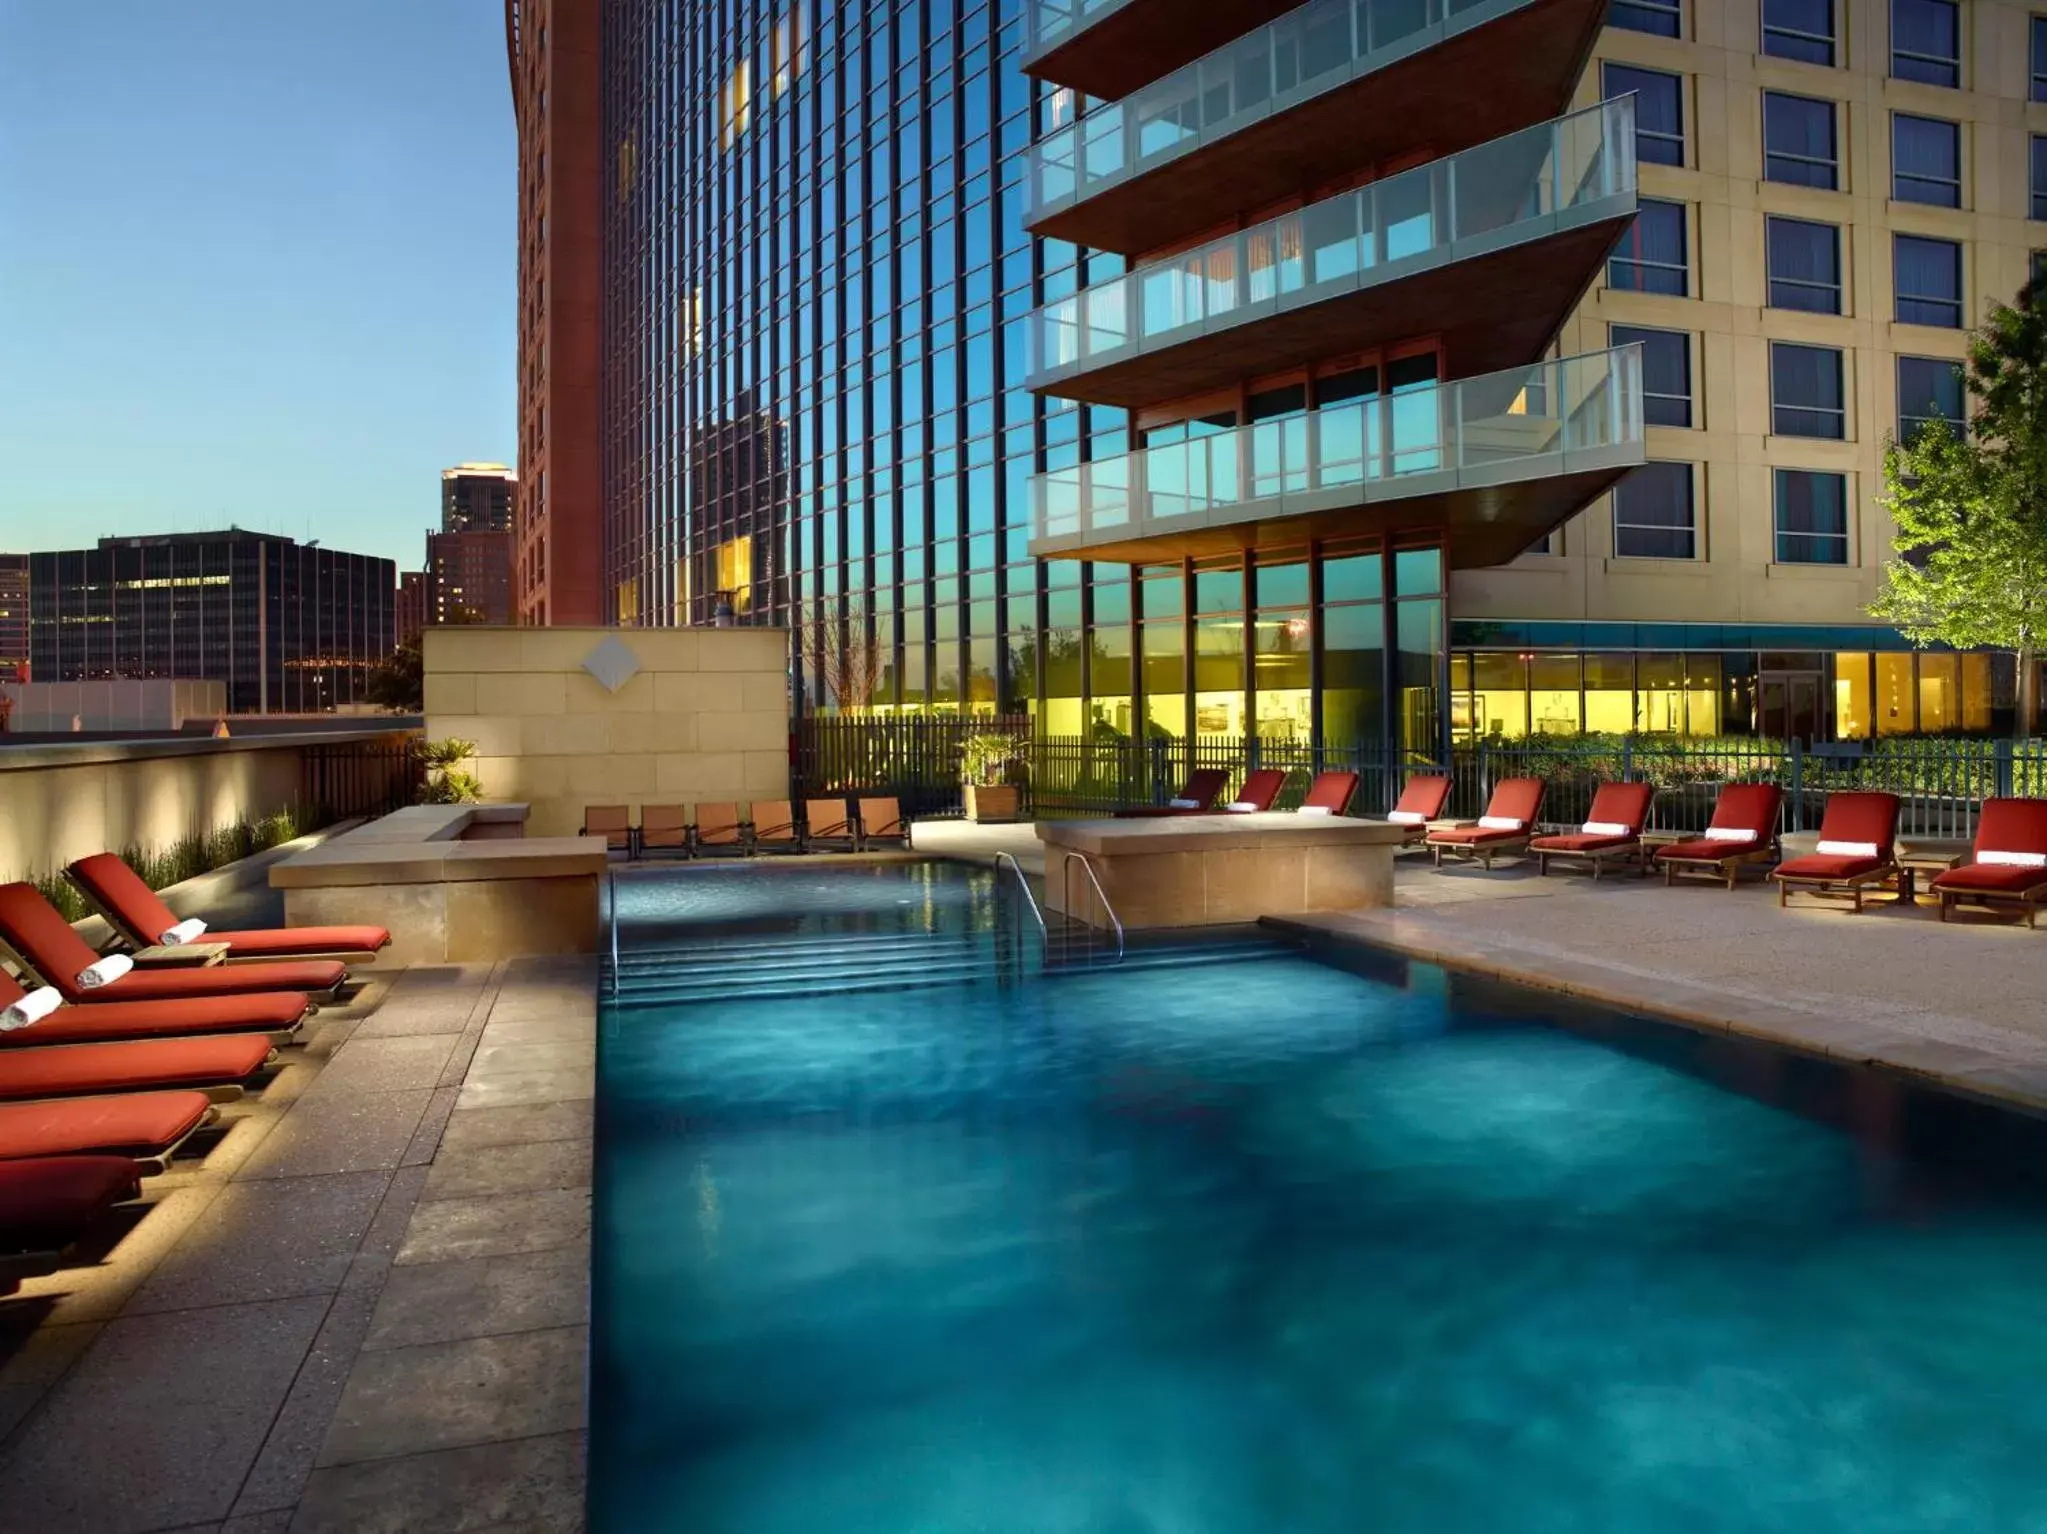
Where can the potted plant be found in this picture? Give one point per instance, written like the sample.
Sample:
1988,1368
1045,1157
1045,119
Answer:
987,762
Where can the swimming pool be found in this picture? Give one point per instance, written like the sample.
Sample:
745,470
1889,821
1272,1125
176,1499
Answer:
1269,1245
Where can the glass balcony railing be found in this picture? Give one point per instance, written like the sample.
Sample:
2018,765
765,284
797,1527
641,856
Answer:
1049,22
1524,186
1317,48
1564,416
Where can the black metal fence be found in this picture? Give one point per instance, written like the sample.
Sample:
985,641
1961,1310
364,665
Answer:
375,775
1941,781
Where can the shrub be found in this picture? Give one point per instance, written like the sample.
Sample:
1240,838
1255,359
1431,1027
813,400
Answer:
187,857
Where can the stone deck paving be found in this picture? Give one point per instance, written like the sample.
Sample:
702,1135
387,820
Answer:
365,1308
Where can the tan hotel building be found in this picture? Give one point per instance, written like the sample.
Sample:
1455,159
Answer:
1831,190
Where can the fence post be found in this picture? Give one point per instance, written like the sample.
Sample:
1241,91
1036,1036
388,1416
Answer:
1797,784
2004,766
1627,761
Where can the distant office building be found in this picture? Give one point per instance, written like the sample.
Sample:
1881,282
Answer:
468,577
285,627
125,706
477,498
564,171
411,605
13,617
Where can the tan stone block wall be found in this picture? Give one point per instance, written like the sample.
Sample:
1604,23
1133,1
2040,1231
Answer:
1735,578
705,718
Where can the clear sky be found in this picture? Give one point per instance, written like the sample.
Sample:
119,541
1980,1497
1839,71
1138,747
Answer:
257,266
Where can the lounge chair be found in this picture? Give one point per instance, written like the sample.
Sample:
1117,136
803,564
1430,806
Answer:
2008,865
1857,850
1742,830
276,1015
881,820
147,1127
1196,797
719,832
774,826
1506,825
46,1206
45,944
1612,832
1330,794
138,913
216,1066
664,828
613,822
828,826
1420,802
1260,789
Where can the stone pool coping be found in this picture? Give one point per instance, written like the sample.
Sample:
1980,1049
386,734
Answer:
2008,1079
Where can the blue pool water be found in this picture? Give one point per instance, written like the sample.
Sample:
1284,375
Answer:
1267,1245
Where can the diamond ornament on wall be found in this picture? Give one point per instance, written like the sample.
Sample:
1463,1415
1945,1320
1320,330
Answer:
612,663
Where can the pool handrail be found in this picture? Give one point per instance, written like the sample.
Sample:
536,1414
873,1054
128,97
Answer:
611,921
1024,884
1066,889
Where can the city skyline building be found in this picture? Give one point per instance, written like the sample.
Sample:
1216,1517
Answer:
285,627
468,578
410,606
14,656
1240,281
554,53
477,498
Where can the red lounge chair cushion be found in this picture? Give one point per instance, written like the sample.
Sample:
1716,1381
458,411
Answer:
1824,868
221,980
1469,836
136,909
1423,796
1332,791
289,942
47,1203
267,1011
1259,790
1991,879
143,1064
1622,804
2012,825
1517,799
137,1124
1580,841
1870,819
1707,851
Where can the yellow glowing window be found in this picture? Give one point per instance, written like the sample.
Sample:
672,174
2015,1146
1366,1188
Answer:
735,572
738,103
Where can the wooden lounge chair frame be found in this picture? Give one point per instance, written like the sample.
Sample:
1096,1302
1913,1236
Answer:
1852,889
1727,870
2028,900
893,827
1597,858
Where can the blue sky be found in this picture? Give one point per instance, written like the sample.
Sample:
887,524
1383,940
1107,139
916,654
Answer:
257,265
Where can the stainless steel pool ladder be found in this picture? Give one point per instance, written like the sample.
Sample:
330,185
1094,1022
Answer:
1101,895
611,922
1003,859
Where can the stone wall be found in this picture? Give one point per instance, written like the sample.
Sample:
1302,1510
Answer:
698,715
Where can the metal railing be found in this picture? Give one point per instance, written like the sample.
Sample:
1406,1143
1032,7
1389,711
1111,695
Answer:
1049,21
1023,883
1522,186
371,776
1559,417
611,922
1308,52
1101,895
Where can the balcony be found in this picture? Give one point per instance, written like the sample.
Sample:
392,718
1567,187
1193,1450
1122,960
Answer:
1331,87
1110,48
1489,249
1488,464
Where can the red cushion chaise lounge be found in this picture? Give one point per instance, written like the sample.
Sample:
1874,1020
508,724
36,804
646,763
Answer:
1612,831
1420,802
1858,836
147,1127
139,914
47,1205
276,1015
45,943
216,1066
1203,787
2009,863
1506,826
1743,826
1260,789
1329,794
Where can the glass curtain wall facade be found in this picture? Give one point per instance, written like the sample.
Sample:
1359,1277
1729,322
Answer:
818,289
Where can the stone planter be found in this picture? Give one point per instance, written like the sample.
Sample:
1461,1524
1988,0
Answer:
984,804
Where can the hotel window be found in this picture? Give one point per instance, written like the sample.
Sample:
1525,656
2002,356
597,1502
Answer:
1659,110
1799,29
1804,265
1652,513
1660,18
2039,169
1929,389
1666,372
1926,161
1806,394
2036,265
1926,41
2038,90
1812,518
1798,141
1928,276
1653,255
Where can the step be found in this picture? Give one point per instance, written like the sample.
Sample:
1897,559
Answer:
631,951
795,989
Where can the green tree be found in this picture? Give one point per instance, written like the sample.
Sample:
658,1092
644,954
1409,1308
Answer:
398,681
1970,562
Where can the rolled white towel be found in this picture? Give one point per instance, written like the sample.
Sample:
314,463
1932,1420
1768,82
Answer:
104,971
186,931
32,1008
